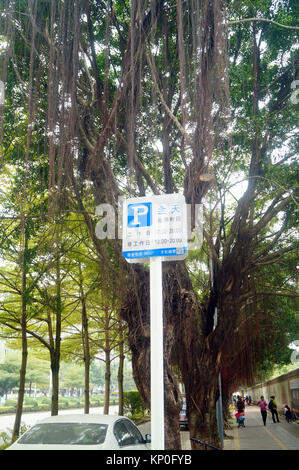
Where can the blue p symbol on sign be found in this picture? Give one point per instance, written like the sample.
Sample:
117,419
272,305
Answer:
140,215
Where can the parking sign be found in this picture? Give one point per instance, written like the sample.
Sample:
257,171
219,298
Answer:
155,229
155,226
139,215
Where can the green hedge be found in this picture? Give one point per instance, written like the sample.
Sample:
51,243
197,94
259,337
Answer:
30,408
31,402
7,409
46,400
133,403
74,403
44,404
95,402
11,402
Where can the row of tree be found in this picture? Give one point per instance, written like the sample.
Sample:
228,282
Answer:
126,98
72,381
68,311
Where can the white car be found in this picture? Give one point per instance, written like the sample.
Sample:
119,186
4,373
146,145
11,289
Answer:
83,432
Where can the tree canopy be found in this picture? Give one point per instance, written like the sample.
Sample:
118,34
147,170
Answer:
124,98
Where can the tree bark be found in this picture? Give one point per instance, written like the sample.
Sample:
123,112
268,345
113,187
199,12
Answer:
23,321
55,364
107,382
85,344
55,349
86,353
120,375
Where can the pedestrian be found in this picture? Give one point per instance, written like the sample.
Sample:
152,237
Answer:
240,405
273,408
263,406
288,414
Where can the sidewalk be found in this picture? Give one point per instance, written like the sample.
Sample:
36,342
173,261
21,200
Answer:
256,436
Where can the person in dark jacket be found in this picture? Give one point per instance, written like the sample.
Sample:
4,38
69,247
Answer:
240,405
273,408
288,413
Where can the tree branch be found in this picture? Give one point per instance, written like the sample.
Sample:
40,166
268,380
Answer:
280,294
249,20
169,112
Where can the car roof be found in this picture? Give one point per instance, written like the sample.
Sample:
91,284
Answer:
84,418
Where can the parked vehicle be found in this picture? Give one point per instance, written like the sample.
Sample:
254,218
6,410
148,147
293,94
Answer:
83,432
183,414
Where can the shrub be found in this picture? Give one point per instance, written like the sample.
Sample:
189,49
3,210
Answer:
10,402
95,402
29,408
31,402
73,403
133,403
63,402
7,409
44,406
46,400
5,437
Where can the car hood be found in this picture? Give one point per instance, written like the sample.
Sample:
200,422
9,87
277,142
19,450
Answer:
17,446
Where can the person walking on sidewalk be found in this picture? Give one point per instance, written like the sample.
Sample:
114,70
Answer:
263,406
240,405
273,408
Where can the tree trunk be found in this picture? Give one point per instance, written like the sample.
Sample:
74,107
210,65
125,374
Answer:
86,384
55,346
17,423
23,321
55,386
86,353
107,383
226,409
202,417
120,375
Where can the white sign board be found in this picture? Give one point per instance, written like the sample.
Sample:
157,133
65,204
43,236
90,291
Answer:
155,226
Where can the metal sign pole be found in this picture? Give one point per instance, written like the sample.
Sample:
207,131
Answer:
155,228
157,357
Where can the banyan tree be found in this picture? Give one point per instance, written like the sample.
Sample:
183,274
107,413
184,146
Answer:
126,98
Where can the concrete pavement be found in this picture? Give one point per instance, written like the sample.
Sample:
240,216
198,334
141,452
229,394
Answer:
256,436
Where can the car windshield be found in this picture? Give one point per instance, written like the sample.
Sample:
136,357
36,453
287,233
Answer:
65,434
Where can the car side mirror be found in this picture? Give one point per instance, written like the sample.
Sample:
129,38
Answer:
148,438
